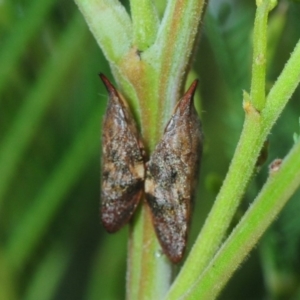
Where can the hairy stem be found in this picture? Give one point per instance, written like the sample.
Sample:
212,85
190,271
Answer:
279,187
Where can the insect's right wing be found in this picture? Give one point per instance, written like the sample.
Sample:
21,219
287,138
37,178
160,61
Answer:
123,169
172,173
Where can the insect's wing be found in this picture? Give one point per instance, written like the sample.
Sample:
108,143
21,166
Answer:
172,172
123,169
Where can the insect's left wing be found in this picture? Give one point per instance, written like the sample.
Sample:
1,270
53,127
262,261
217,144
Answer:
123,169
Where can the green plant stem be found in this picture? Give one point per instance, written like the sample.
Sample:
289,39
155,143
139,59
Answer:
255,130
282,90
36,103
152,82
259,54
145,23
148,271
279,187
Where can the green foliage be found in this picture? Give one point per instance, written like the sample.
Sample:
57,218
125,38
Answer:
51,243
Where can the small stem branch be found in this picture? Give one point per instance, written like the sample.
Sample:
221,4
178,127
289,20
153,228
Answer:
279,187
110,24
145,23
259,53
283,89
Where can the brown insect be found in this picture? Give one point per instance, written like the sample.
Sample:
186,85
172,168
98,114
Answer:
123,169
172,173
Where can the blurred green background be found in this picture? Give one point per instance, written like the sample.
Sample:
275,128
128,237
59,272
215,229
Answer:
52,245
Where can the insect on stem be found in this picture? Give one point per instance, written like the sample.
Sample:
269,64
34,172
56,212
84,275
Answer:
172,174
123,168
